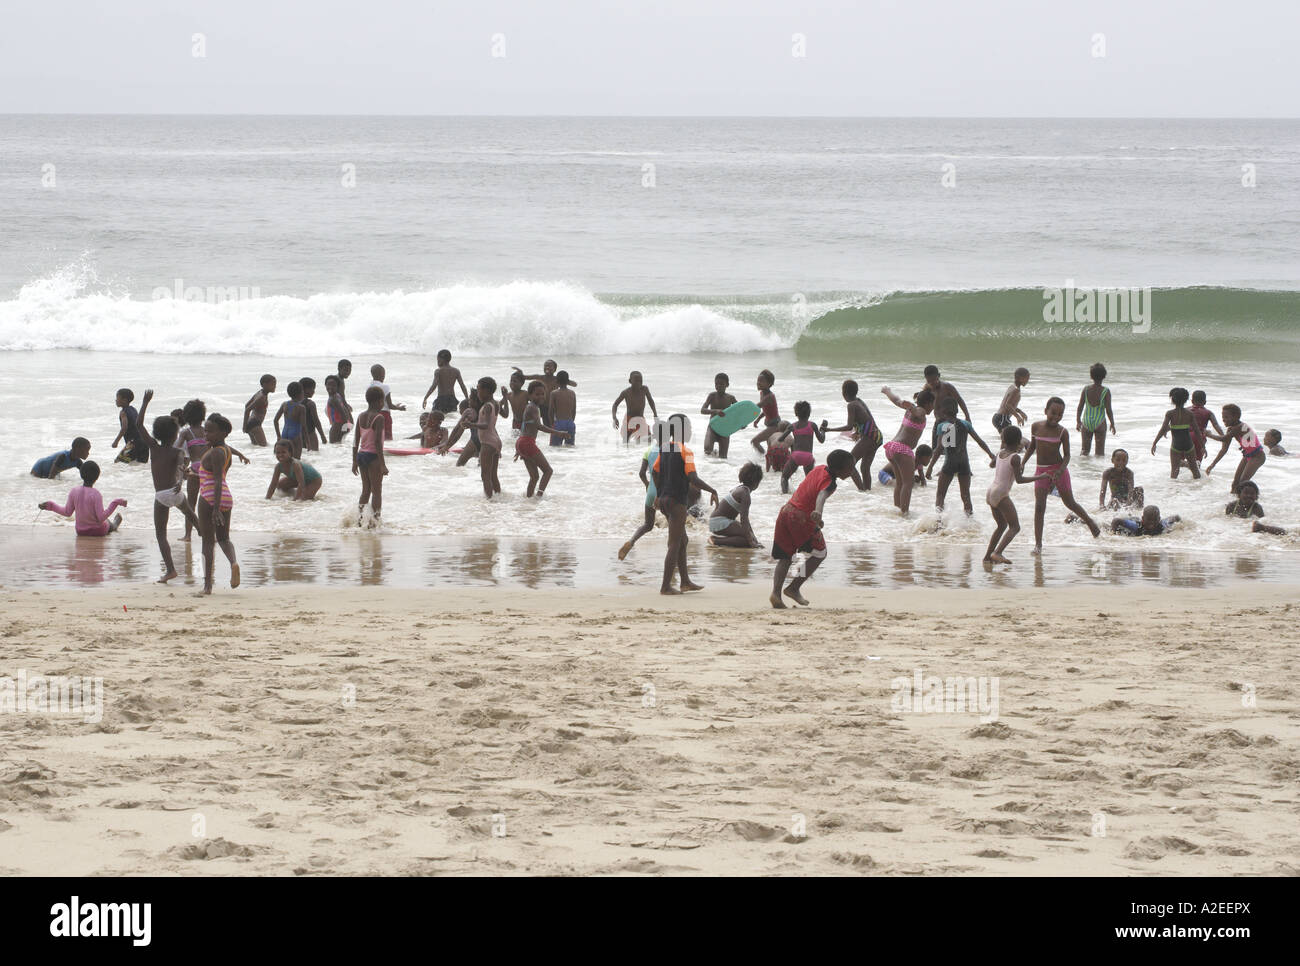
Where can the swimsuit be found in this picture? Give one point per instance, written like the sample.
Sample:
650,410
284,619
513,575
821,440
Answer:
487,436
770,417
1062,482
1094,416
309,473
445,404
956,462
868,430
895,448
56,464
1180,438
207,486
1001,421
526,446
1003,477
567,426
173,497
366,453
291,429
720,521
800,457
1249,442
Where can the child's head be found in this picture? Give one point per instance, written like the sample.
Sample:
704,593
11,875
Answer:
1151,518
672,432
1272,437
89,472
487,387
294,390
923,454
424,420
1198,398
549,367
721,381
932,376
925,399
840,463
1011,437
165,430
331,384
444,356
124,397
1119,459
562,377
1248,493
849,390
80,447
1054,409
374,397
537,391
802,410
283,451
195,411
216,429
750,475
435,418
1232,414
516,380
1097,371
766,380
1022,376
377,372
1178,396
178,415
634,378
308,385
267,382
345,368
948,408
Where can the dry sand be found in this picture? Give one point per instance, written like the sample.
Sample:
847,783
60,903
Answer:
227,746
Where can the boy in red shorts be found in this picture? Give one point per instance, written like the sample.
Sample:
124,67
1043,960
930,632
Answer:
799,526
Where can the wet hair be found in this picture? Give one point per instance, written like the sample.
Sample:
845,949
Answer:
266,378
562,377
1120,450
195,411
81,442
924,398
931,370
1249,484
221,422
1198,397
1022,371
491,386
165,430
307,383
89,472
1151,512
178,415
1011,437
126,394
294,389
444,356
839,459
1054,401
374,395
851,387
535,385
949,405
517,377
767,374
1178,395
923,454
286,443
803,409
750,475
1097,372
1233,411
1275,433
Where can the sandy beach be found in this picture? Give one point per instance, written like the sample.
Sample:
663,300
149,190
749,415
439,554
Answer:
329,731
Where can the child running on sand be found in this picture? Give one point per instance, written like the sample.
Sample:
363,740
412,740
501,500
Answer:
729,523
300,480
443,388
800,435
1204,417
950,434
336,410
864,428
674,473
562,405
799,527
165,462
526,445
1094,411
135,451
1252,450
49,467
87,503
294,414
255,410
377,375
767,412
314,432
1009,408
902,457
1051,442
1149,525
1247,506
368,456
489,443
1007,470
648,459
636,396
1180,423
216,501
715,404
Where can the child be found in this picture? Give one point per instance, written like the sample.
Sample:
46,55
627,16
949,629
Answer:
135,451
192,440
864,428
562,404
294,414
88,504
432,433
336,410
49,467
549,377
377,380
255,410
443,388
715,404
1052,448
368,455
800,434
674,473
489,443
341,377
902,458
943,390
1203,418
1252,451
1182,444
1119,478
799,527
1273,440
468,407
767,411
313,430
636,396
729,523
526,445
1247,505
648,459
949,439
923,456
1007,470
1010,405
215,500
1150,525
1094,411
515,401
165,462
302,480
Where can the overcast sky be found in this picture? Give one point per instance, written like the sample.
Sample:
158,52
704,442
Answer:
1179,58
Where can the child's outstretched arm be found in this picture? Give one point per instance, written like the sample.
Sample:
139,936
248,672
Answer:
1164,428
961,403
820,432
713,494
893,398
242,458
934,458
1105,482
984,446
425,401
144,408
121,420
275,478
1227,441
63,511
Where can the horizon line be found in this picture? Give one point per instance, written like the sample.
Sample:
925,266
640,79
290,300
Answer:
676,117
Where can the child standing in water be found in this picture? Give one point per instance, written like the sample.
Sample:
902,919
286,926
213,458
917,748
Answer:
312,430
767,411
902,456
1007,470
215,501
165,461
336,410
864,428
562,407
301,480
515,401
636,396
1182,444
377,375
443,388
135,450
729,523
526,445
674,474
1052,447
87,503
950,434
294,414
49,467
1009,408
489,443
255,410
648,459
1094,411
715,404
799,527
1252,450
800,435
1204,417
368,456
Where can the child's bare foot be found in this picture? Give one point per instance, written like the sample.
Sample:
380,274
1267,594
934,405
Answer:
997,558
205,592
1038,549
776,601
669,590
170,575
691,585
234,576
795,596
624,550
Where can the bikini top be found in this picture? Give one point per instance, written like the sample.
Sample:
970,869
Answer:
805,431
908,422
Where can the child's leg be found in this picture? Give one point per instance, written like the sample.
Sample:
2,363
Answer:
787,471
160,515
1012,522
1000,526
757,441
811,562
1265,528
1040,511
191,503
113,524
1100,437
1086,444
209,543
710,439
544,465
905,480
256,436
963,481
286,484
941,491
1247,469
365,491
724,443
1067,497
676,515
376,488
1175,463
641,531
1193,466
778,581
312,489
685,582
531,466
469,451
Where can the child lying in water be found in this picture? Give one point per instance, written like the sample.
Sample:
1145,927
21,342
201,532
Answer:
1151,524
1247,506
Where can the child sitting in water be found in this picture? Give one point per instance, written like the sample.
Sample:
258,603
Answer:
716,404
294,414
1151,524
49,467
135,451
1247,505
1182,443
729,523
301,480
1273,440
165,461
799,527
87,503
799,435
1119,479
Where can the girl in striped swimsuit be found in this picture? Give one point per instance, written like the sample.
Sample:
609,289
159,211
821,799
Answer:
215,500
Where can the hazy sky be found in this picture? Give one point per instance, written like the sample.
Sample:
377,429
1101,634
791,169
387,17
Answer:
1178,58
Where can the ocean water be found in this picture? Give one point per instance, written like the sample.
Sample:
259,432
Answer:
192,254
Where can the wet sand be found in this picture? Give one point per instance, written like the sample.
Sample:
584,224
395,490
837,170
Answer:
327,730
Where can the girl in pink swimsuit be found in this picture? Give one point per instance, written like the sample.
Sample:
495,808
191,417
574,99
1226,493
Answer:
1252,450
900,450
484,419
1007,473
87,503
1051,443
801,434
368,456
